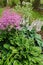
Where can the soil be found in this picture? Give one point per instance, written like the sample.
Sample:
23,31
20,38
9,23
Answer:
41,33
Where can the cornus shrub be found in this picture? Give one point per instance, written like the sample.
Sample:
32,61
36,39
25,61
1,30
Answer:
10,19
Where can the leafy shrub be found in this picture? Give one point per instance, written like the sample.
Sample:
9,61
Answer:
16,48
26,11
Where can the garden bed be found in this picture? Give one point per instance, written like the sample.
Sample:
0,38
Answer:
18,44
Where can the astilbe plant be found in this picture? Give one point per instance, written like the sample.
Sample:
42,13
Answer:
9,19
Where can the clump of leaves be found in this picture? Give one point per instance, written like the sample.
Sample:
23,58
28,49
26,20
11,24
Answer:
33,34
17,49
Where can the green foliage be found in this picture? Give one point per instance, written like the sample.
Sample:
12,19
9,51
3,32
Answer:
1,9
12,3
3,3
25,10
37,37
18,49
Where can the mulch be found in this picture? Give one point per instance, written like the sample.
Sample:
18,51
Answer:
41,33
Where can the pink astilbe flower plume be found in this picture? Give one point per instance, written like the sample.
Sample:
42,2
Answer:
10,18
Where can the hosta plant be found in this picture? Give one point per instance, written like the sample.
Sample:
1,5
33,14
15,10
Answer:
16,49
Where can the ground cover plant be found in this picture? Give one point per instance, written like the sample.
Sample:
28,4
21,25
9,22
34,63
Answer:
18,46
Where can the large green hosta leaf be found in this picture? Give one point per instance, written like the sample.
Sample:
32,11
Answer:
39,40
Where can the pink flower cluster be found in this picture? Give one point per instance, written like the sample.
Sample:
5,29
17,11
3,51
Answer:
10,19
